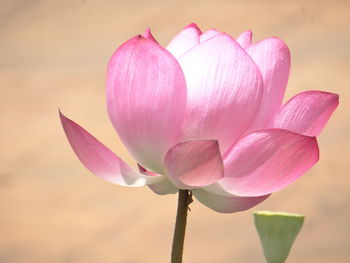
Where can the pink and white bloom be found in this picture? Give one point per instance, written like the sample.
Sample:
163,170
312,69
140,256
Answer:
206,114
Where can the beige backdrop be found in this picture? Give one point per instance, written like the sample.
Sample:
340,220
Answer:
54,54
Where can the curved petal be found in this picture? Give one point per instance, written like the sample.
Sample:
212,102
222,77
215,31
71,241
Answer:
148,34
265,161
146,99
193,164
273,59
101,161
245,39
225,204
223,90
208,34
164,187
185,40
307,112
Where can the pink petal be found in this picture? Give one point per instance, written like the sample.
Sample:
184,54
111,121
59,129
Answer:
245,39
147,34
225,204
163,187
208,34
273,59
223,90
193,164
307,112
146,99
101,161
265,161
185,40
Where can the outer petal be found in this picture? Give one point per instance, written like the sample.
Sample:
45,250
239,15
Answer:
245,39
307,112
100,160
193,164
225,204
223,90
185,40
266,161
273,59
163,187
146,97
147,34
209,34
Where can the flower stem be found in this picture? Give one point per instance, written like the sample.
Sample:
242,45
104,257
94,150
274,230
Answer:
185,198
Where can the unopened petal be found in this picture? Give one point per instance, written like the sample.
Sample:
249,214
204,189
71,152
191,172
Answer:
265,161
307,112
193,164
223,90
273,59
101,161
146,99
227,204
185,40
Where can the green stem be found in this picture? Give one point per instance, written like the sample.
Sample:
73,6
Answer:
185,198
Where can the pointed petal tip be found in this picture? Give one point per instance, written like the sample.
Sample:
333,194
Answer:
248,32
63,117
333,96
186,39
148,34
193,25
245,39
209,34
59,112
147,31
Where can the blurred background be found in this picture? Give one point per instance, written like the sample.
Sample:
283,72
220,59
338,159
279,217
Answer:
54,54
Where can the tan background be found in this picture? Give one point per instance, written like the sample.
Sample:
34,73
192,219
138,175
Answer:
54,54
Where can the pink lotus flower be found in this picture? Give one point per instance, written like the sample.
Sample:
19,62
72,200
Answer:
205,113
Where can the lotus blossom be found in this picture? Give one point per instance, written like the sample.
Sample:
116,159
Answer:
206,114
